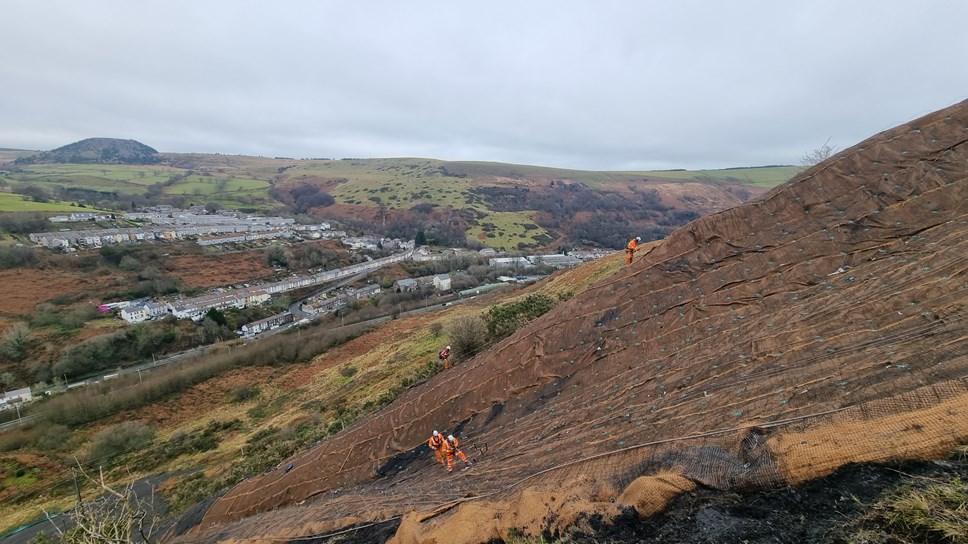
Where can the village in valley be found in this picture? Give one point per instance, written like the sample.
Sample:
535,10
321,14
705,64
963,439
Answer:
330,290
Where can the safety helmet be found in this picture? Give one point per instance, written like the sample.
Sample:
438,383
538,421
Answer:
638,238
450,437
448,347
436,433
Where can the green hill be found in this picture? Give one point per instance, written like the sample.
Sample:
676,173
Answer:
97,151
505,206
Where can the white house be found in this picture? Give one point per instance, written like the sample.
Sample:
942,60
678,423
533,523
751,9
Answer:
442,282
155,309
17,396
270,322
135,314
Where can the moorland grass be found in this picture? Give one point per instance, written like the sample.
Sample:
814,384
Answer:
767,176
10,202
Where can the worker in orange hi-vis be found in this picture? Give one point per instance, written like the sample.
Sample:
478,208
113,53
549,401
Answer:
436,443
444,355
451,448
630,249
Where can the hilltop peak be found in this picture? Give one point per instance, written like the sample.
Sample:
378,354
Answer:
97,151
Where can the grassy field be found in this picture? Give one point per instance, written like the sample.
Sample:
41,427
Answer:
10,202
208,185
505,230
767,176
225,188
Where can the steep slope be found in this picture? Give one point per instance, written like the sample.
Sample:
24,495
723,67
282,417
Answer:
761,346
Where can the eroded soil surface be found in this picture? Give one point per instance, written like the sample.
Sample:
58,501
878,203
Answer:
826,510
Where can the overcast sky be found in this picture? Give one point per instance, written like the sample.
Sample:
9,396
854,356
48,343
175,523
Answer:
599,85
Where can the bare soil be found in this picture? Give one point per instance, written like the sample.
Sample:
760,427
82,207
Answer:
824,511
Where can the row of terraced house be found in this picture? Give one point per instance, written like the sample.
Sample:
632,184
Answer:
195,307
171,224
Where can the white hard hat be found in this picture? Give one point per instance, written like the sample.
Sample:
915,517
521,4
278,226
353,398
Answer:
638,238
448,347
450,437
436,433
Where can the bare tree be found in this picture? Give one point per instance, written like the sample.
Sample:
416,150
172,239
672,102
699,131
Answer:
120,517
818,155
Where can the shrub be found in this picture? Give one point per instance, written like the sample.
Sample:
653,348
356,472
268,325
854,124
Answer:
53,437
467,336
115,441
16,341
504,319
17,257
244,393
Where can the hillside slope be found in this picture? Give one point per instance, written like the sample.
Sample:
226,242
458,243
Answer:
761,346
97,151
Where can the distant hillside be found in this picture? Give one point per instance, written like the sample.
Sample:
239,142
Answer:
503,206
97,151
514,207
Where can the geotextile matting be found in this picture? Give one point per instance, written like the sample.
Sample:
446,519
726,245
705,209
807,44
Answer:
758,347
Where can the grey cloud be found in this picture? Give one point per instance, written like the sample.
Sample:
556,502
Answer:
604,85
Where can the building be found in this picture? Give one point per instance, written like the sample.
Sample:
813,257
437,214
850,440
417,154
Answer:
156,310
367,292
263,325
17,396
135,313
556,261
442,282
480,289
406,285
509,262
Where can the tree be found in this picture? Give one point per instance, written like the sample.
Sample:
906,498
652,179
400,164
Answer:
421,238
34,193
121,517
277,255
818,155
15,343
217,316
467,336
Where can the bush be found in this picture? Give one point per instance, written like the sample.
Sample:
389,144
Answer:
17,257
244,393
504,319
115,441
53,437
16,341
467,336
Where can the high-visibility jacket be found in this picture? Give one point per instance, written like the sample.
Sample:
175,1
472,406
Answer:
451,447
631,247
435,442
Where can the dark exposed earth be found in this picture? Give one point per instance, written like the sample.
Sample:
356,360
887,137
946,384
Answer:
827,510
